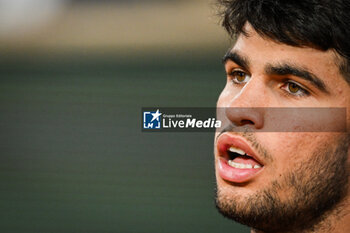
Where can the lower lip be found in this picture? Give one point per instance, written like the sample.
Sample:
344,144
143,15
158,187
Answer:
236,175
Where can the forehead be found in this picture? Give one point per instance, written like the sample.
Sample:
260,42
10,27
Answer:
261,50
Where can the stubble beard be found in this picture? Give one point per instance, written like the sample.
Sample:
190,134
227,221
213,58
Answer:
315,189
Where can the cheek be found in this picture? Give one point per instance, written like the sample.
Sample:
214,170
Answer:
292,149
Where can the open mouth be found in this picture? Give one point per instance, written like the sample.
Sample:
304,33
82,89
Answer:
237,161
237,158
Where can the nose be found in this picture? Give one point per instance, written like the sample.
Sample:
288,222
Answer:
247,108
251,117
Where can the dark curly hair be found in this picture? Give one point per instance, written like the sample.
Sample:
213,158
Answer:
321,24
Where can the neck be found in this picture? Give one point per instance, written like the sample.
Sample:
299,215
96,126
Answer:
336,221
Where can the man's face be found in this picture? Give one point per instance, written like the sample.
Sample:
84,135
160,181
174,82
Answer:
285,179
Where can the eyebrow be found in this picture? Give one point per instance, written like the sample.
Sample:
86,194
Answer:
290,69
237,58
281,69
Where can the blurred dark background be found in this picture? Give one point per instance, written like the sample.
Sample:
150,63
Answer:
73,78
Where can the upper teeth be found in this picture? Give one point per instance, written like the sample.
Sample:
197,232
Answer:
236,150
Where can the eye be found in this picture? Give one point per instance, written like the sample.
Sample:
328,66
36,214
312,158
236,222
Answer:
295,89
239,77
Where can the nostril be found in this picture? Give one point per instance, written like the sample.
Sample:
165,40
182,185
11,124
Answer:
247,122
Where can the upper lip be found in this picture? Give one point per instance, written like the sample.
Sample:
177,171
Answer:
226,140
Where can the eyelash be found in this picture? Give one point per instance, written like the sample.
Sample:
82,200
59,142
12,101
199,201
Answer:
232,75
302,91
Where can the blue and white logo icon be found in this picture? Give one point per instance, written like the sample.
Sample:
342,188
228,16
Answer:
151,120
